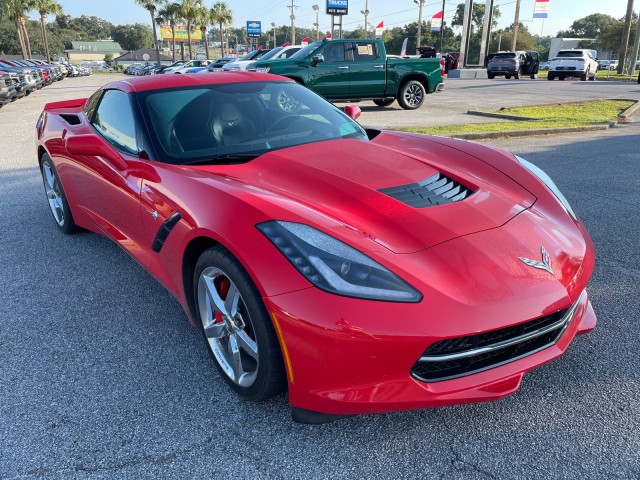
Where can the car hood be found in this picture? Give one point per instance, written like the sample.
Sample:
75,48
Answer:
343,179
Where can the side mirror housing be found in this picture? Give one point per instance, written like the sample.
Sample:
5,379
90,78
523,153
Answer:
317,59
92,145
352,111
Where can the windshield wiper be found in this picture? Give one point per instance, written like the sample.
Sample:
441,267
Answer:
223,158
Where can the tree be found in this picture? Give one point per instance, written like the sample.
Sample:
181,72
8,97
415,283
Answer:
16,12
203,19
189,10
170,14
132,37
152,6
44,8
590,26
108,59
222,15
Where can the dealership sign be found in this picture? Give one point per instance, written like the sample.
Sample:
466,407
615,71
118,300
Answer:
254,29
541,9
337,7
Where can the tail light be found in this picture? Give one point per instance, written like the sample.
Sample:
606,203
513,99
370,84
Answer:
442,69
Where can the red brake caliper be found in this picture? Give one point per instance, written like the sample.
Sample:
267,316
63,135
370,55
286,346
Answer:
222,290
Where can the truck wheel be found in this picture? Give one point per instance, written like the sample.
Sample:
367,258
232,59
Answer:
384,102
550,77
490,76
507,77
411,95
534,76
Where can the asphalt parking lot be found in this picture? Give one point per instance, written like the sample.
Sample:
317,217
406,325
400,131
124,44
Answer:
101,375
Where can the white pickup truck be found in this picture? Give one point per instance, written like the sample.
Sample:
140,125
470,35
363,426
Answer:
573,63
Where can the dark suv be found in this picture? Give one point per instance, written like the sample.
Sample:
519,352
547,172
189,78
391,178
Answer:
513,64
7,88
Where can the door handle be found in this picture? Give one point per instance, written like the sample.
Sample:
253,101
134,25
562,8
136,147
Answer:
343,68
378,66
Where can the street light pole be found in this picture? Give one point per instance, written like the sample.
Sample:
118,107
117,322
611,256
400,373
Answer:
293,22
515,27
420,4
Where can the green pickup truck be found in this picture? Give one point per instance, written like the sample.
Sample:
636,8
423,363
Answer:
355,69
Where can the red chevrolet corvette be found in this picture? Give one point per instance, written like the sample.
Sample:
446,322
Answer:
361,270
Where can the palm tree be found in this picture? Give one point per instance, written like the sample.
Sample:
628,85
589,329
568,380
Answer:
16,12
152,6
222,15
44,8
189,10
203,19
171,15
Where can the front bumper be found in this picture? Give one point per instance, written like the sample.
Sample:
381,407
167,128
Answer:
352,356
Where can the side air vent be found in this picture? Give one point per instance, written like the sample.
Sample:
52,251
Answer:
435,190
71,119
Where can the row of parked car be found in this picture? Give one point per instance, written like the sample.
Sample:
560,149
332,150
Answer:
19,78
232,64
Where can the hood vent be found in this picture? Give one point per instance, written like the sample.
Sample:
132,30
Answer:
71,119
435,190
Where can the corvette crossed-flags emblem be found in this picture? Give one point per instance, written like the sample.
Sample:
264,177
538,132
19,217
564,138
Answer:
544,265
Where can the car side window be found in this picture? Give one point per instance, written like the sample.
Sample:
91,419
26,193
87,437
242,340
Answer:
115,122
365,52
334,52
91,104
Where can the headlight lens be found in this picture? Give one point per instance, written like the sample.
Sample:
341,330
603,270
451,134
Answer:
538,172
263,69
334,266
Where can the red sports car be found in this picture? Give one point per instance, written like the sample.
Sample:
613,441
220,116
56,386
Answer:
361,270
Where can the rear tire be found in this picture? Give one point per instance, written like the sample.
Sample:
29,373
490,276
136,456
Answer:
411,95
517,75
508,77
490,76
55,196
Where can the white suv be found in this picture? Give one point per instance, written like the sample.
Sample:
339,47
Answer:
573,63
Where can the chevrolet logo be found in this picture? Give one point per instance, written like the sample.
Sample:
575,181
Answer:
544,265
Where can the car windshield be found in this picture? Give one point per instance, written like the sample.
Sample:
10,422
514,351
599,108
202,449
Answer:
569,54
271,53
250,55
306,51
235,122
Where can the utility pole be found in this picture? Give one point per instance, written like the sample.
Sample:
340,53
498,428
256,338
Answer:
442,28
293,22
622,54
365,12
420,4
317,24
514,32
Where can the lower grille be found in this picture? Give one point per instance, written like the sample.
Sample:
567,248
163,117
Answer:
458,357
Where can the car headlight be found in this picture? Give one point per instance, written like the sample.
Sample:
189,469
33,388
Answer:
544,178
263,69
334,266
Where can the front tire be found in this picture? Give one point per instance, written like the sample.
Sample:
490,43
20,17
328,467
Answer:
236,326
55,196
411,95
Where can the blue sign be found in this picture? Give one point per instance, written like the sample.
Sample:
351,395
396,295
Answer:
337,7
254,29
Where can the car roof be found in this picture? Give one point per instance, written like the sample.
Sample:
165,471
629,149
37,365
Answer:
156,82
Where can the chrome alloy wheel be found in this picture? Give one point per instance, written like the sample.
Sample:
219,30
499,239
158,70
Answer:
287,103
228,326
52,189
414,95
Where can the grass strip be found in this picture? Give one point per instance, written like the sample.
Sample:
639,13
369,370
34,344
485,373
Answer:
577,114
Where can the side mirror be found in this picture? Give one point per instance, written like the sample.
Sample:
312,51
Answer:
317,59
352,111
92,145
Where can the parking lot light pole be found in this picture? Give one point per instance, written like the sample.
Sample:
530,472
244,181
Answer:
365,12
273,26
515,27
317,24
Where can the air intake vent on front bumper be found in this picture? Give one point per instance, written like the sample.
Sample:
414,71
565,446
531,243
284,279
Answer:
435,190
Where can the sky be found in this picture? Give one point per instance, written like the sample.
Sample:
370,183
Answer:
562,13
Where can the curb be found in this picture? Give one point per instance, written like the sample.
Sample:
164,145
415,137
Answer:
534,132
629,112
502,116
